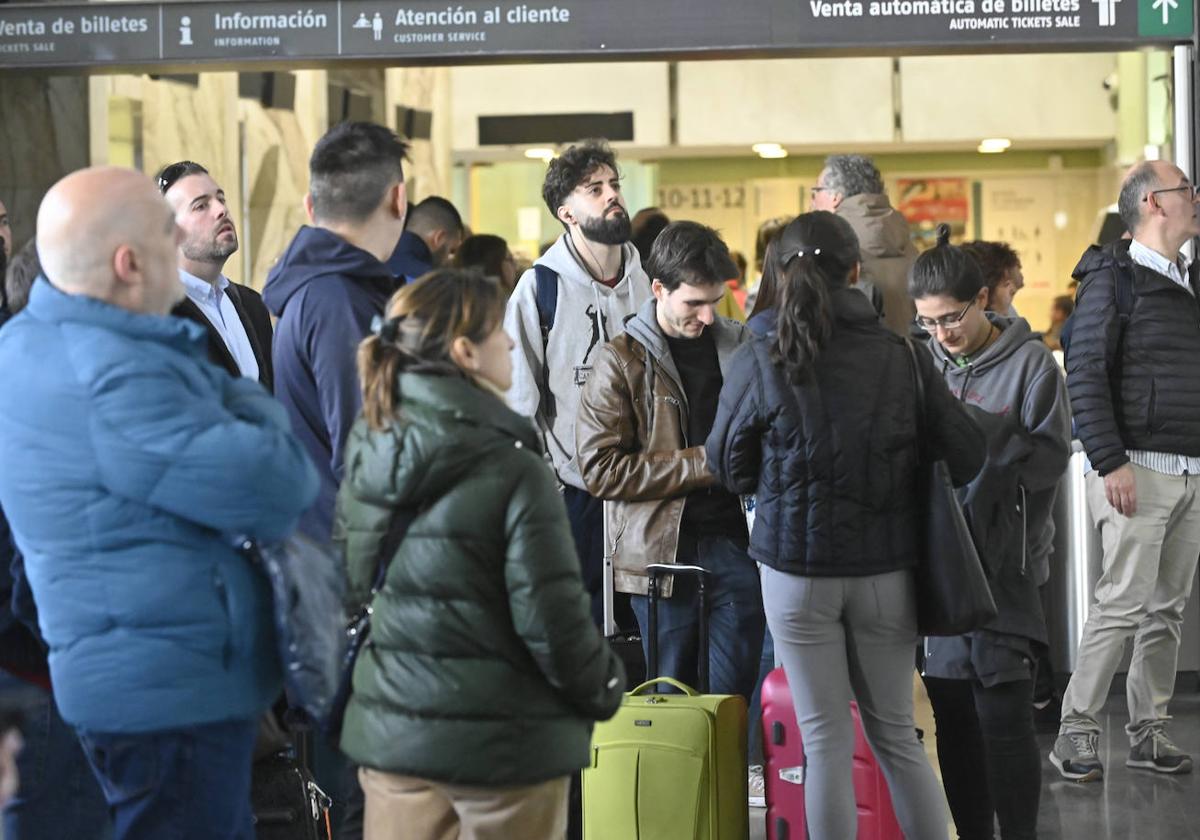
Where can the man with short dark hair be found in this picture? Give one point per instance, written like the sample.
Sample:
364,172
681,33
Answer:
432,234
233,315
646,412
328,285
594,281
1135,394
852,187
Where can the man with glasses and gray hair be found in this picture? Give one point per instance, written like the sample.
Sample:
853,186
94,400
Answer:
1135,393
852,187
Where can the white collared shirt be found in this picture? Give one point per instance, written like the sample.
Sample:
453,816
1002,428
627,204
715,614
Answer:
1167,463
218,309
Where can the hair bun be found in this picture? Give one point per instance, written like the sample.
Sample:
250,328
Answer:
943,234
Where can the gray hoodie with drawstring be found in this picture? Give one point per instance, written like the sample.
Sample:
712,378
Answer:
588,314
1019,398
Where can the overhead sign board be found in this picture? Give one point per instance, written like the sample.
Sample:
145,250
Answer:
221,31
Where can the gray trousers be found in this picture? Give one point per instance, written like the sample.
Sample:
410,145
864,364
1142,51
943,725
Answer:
854,638
1149,562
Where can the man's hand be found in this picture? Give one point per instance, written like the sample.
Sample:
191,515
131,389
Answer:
1120,491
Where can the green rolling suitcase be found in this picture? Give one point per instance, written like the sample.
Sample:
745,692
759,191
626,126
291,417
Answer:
669,766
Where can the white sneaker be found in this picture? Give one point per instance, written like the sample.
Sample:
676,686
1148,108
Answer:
757,786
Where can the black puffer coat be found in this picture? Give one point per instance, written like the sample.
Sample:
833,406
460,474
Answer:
1139,389
834,463
483,665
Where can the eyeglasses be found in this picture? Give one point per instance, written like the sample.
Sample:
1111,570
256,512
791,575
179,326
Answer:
174,172
818,189
946,322
1190,188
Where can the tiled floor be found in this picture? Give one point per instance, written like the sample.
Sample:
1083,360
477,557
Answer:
1128,804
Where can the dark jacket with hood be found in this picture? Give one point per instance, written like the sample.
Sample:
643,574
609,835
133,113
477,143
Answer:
324,291
631,434
411,259
483,666
885,240
834,462
1136,388
1019,399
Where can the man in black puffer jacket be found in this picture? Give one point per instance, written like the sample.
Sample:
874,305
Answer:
1135,393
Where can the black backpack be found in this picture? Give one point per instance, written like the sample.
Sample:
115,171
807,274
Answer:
546,297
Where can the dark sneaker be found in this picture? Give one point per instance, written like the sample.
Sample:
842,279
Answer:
1075,756
1157,752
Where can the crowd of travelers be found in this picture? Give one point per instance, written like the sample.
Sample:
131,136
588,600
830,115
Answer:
474,439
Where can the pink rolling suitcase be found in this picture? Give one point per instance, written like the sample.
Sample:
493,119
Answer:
784,770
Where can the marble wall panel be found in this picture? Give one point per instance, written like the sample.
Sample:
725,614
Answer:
43,136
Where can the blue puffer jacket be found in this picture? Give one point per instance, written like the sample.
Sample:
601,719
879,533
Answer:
129,463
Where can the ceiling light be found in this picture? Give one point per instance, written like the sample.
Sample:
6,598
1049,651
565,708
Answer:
994,145
545,155
769,150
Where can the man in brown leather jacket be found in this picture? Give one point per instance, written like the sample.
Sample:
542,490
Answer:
645,413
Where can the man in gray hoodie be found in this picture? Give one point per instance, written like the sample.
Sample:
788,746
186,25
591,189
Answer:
575,298
852,187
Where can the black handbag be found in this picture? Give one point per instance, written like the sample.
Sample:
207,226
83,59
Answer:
953,596
307,584
359,627
286,801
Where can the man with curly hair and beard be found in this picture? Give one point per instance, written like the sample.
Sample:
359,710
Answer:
590,281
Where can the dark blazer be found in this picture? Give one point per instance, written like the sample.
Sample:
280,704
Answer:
255,318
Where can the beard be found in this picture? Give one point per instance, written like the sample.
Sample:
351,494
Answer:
609,229
212,251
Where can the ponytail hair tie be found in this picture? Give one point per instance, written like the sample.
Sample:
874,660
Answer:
801,252
387,329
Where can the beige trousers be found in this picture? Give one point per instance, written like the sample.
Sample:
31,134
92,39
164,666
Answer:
405,808
1149,562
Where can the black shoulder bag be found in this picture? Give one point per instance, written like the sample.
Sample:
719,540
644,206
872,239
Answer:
953,596
359,627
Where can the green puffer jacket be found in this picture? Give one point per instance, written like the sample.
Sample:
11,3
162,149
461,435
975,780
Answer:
483,665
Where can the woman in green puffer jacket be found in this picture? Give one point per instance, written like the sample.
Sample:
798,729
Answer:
474,697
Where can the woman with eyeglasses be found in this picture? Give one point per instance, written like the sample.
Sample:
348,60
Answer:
818,418
981,684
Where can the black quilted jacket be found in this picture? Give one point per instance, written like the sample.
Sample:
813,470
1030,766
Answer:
1137,388
834,464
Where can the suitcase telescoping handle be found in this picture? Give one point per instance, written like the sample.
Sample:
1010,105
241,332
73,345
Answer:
653,571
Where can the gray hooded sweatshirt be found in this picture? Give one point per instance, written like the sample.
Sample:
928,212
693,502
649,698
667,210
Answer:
588,315
1019,399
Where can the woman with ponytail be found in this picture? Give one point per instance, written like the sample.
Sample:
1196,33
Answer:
818,418
981,684
475,695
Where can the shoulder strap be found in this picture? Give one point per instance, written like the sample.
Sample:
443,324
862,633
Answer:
919,390
401,521
1123,282
546,297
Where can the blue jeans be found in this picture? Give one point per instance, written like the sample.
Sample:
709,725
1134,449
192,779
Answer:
58,795
181,784
735,620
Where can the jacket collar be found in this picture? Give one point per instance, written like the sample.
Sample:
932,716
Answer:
53,306
644,328
466,402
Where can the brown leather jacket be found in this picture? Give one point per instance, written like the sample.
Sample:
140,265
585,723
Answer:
631,437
